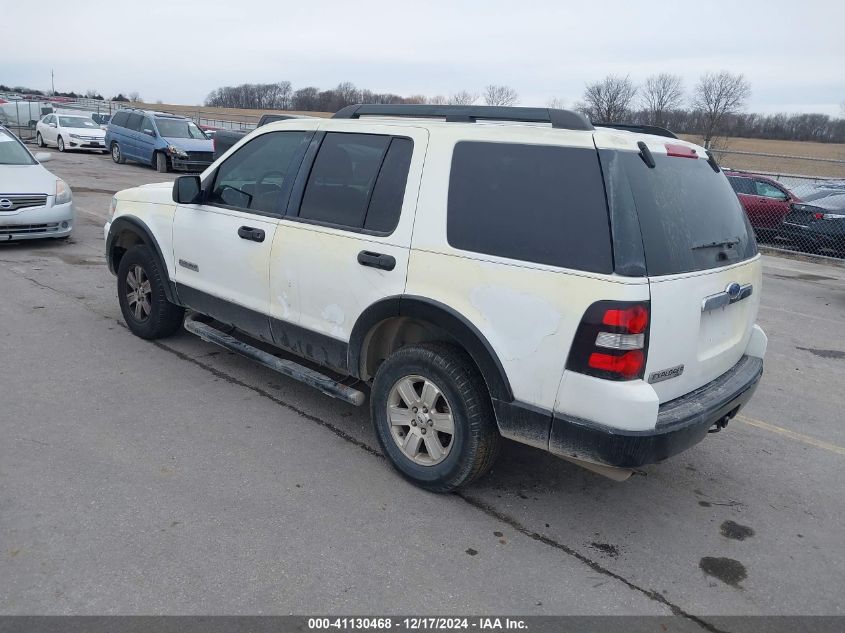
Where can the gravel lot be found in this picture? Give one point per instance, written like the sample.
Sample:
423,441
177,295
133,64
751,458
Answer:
174,477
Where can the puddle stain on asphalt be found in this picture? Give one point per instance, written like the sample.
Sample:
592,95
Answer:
735,531
606,548
729,571
806,277
823,353
471,551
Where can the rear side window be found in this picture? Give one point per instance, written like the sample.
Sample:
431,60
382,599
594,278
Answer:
119,119
742,185
534,203
358,181
689,216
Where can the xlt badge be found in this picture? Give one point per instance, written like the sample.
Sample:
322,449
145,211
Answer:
666,374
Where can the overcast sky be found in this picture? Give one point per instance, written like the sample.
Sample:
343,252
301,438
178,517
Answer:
177,51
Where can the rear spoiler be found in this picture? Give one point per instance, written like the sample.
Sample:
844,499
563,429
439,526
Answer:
642,129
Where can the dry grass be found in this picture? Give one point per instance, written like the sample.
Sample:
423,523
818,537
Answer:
766,164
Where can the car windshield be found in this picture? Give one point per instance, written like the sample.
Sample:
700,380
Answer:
12,152
76,121
178,128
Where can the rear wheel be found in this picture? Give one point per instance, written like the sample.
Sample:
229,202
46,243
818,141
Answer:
116,154
40,141
61,143
161,162
140,291
433,416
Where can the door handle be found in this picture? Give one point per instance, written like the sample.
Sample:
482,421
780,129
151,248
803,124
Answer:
376,260
249,233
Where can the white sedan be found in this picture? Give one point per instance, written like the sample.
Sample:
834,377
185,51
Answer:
70,131
33,202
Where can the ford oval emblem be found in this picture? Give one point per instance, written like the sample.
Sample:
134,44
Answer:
733,290
5,203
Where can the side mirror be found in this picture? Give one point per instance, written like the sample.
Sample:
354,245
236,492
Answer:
43,157
187,189
149,132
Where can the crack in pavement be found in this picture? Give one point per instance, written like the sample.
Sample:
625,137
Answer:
479,505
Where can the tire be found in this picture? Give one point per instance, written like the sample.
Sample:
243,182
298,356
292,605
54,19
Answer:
40,141
460,391
161,163
152,318
116,154
60,143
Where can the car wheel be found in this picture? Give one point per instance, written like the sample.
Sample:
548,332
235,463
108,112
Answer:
143,302
161,162
40,141
61,144
116,154
433,416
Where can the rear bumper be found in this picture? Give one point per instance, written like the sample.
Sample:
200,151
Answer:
681,423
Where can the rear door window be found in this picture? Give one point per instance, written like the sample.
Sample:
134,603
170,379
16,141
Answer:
120,118
533,203
134,121
689,216
742,185
358,182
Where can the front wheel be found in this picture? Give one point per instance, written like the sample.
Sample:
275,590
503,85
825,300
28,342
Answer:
161,162
433,416
143,301
39,140
61,144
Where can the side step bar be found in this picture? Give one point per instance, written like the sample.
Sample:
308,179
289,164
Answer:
285,367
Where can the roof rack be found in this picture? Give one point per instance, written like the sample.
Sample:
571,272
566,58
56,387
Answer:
563,119
642,129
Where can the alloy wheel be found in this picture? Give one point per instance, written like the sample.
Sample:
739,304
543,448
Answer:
421,420
138,297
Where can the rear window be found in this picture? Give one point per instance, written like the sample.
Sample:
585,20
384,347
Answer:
534,203
689,216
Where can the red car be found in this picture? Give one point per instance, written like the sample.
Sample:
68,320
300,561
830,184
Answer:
765,201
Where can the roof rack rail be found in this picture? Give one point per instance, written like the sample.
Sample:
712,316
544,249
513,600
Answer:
562,119
642,129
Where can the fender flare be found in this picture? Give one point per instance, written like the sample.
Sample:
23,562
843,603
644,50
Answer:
136,225
441,315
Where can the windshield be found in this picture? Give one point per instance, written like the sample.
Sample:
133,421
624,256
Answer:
12,152
76,121
178,128
689,216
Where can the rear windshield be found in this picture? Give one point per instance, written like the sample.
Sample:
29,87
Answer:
689,216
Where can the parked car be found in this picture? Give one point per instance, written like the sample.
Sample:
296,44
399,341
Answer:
101,119
163,141
824,189
765,201
477,277
69,131
816,225
33,202
225,139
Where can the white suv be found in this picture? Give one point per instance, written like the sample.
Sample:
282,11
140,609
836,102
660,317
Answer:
488,272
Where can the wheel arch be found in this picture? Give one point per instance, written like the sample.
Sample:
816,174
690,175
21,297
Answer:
127,231
443,318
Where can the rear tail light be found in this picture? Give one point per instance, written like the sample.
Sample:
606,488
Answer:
611,341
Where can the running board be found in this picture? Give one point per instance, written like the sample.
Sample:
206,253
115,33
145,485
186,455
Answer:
287,368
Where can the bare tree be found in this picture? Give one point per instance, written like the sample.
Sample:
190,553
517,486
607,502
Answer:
608,100
464,97
500,95
557,103
438,100
717,96
659,95
135,96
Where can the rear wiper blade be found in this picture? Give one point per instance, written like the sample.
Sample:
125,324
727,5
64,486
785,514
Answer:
728,243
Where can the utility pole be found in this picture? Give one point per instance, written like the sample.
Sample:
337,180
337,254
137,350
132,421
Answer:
52,81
